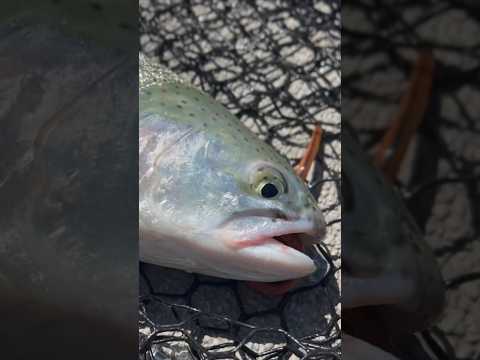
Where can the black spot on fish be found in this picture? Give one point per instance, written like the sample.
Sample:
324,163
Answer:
180,106
257,149
244,138
184,101
191,114
204,125
203,109
196,99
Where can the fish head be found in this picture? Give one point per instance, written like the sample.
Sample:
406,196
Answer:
265,219
227,202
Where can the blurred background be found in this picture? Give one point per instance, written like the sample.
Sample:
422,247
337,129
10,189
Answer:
440,177
68,179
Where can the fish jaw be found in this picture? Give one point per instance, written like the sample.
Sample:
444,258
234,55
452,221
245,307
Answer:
267,255
279,288
268,260
274,247
277,261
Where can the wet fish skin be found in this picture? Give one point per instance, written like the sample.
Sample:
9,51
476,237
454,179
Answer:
200,178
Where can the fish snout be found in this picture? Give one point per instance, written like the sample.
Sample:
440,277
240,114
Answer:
312,222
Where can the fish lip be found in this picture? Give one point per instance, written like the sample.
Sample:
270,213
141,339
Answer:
267,213
302,229
288,236
306,230
292,263
279,288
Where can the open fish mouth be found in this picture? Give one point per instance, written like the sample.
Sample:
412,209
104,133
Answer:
296,241
277,288
294,234
267,249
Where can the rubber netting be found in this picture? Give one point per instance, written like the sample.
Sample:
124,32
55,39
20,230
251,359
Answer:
440,179
276,65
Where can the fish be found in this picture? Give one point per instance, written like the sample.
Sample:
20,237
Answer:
213,198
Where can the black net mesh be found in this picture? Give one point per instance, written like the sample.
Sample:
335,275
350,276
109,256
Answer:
380,41
276,65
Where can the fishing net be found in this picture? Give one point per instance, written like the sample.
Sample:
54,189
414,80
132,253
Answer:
276,66
440,180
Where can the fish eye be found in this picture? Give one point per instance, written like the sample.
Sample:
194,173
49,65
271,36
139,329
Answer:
269,190
268,183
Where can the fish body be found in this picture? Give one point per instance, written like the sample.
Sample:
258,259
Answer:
213,198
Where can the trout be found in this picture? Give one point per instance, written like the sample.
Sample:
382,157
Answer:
213,198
